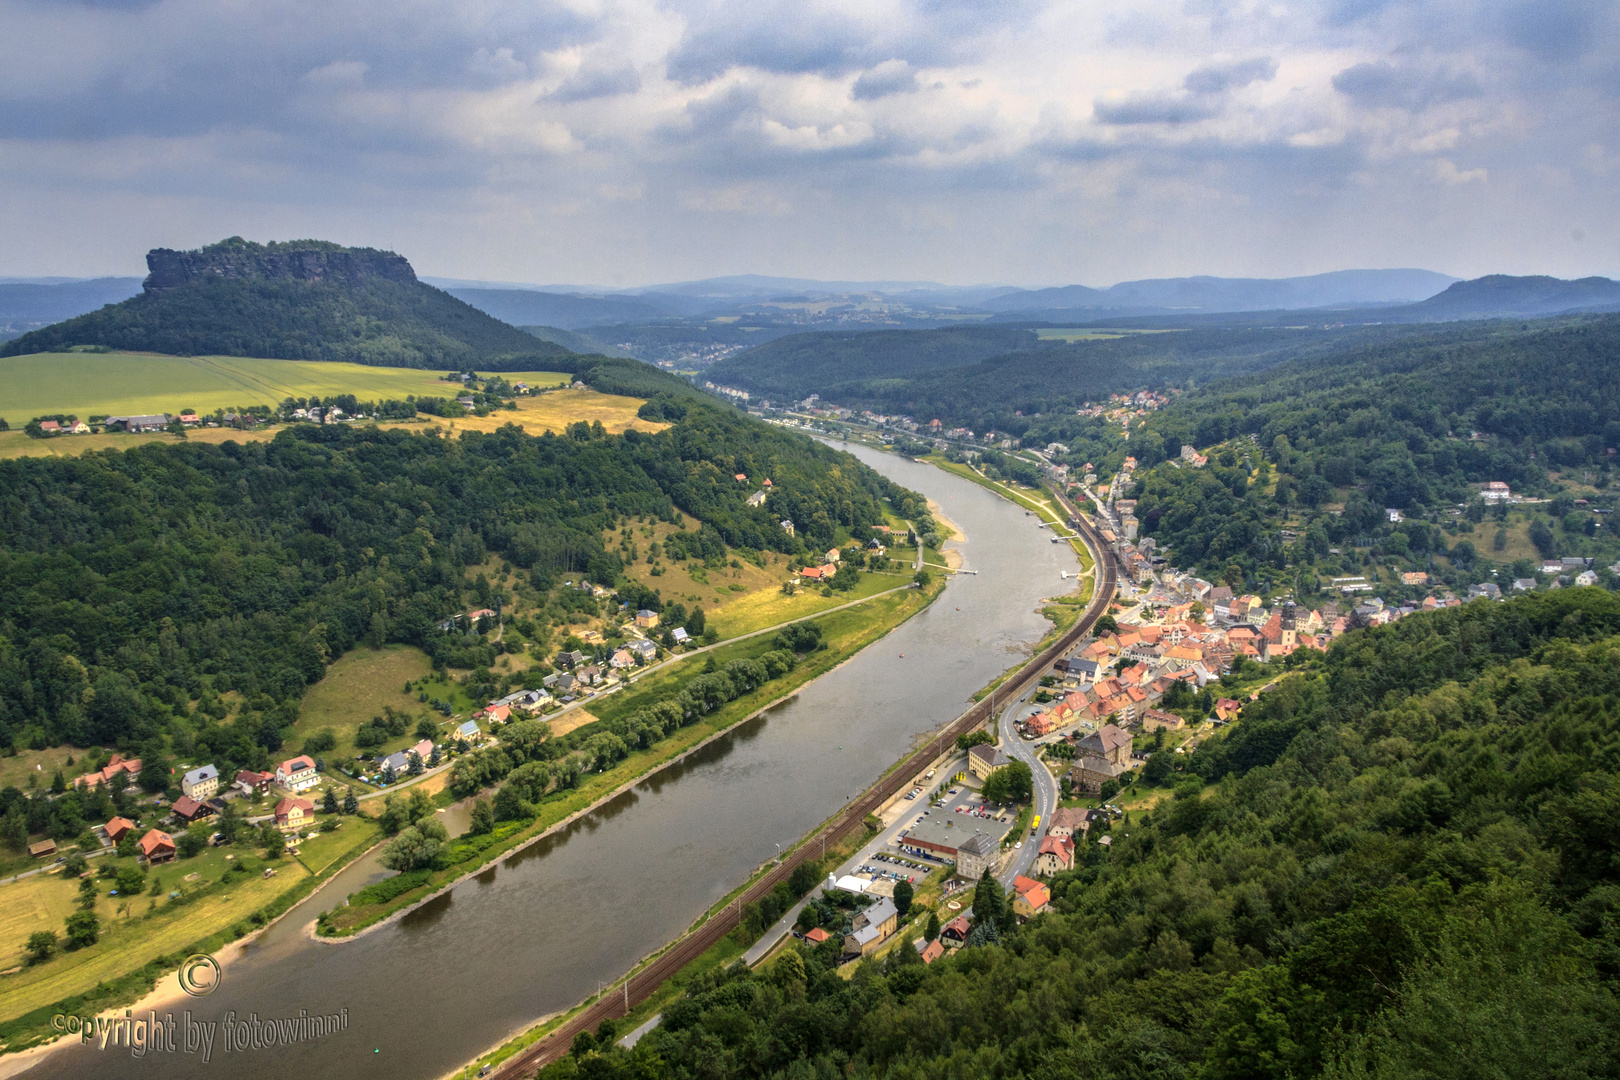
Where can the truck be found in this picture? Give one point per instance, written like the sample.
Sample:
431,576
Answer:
1035,825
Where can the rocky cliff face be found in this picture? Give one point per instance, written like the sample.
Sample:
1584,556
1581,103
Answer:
294,260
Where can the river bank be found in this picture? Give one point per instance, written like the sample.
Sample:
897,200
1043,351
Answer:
1064,613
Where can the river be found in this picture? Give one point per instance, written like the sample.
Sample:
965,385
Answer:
545,927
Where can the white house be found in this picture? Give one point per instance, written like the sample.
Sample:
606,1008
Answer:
297,774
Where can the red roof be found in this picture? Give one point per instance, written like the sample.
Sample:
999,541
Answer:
286,805
117,827
155,842
187,807
297,764
1022,884
818,935
935,950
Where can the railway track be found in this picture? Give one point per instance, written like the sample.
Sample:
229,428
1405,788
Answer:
641,985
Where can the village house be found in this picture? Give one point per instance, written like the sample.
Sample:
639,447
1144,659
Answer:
297,774
105,774
117,828
975,854
955,932
201,783
1056,854
252,784
871,928
680,635
1030,899
1103,755
985,759
42,849
468,732
293,814
816,936
157,847
188,809
646,619
1154,719
932,951
1066,821
757,499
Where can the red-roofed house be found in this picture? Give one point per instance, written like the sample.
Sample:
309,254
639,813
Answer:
188,809
955,932
249,782
1031,902
1056,853
117,828
293,814
297,774
105,774
817,936
157,847
934,951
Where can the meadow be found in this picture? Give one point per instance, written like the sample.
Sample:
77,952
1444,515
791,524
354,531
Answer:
121,383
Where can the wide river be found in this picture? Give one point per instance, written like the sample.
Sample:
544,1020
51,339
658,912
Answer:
545,927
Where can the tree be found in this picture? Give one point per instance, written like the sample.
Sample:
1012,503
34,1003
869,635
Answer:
434,757
1105,625
130,880
426,728
414,768
483,818
275,844
1012,783
329,802
931,930
969,739
87,893
415,847
41,946
902,897
922,578
83,929
191,843
1158,767
58,782
388,776
351,805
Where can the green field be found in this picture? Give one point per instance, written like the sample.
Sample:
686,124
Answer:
93,384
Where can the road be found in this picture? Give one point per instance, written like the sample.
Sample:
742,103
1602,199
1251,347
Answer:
1046,787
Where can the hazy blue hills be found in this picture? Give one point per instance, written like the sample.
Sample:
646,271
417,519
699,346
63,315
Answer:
1502,296
25,305
1216,294
298,300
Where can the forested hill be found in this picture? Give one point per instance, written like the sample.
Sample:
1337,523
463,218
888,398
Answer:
137,587
980,377
300,300
1408,865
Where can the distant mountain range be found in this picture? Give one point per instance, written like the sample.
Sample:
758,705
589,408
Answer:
1213,294
1501,296
300,300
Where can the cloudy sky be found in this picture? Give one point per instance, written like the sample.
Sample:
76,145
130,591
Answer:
624,142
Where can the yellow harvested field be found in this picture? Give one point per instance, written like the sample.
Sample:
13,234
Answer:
554,411
123,383
571,720
41,902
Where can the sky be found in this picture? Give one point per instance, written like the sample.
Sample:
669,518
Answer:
625,142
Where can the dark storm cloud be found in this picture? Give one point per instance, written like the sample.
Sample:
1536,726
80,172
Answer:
1388,86
885,80
597,83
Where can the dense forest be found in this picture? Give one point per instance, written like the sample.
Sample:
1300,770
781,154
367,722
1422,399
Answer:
1324,448
1402,863
138,587
241,299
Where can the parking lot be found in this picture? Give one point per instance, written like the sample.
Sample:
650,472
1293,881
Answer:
961,815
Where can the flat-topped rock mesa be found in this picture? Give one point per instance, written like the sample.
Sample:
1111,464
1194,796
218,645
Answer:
293,260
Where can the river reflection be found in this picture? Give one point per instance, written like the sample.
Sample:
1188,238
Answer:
548,925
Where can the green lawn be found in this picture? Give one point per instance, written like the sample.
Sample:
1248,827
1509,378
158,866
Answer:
86,384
